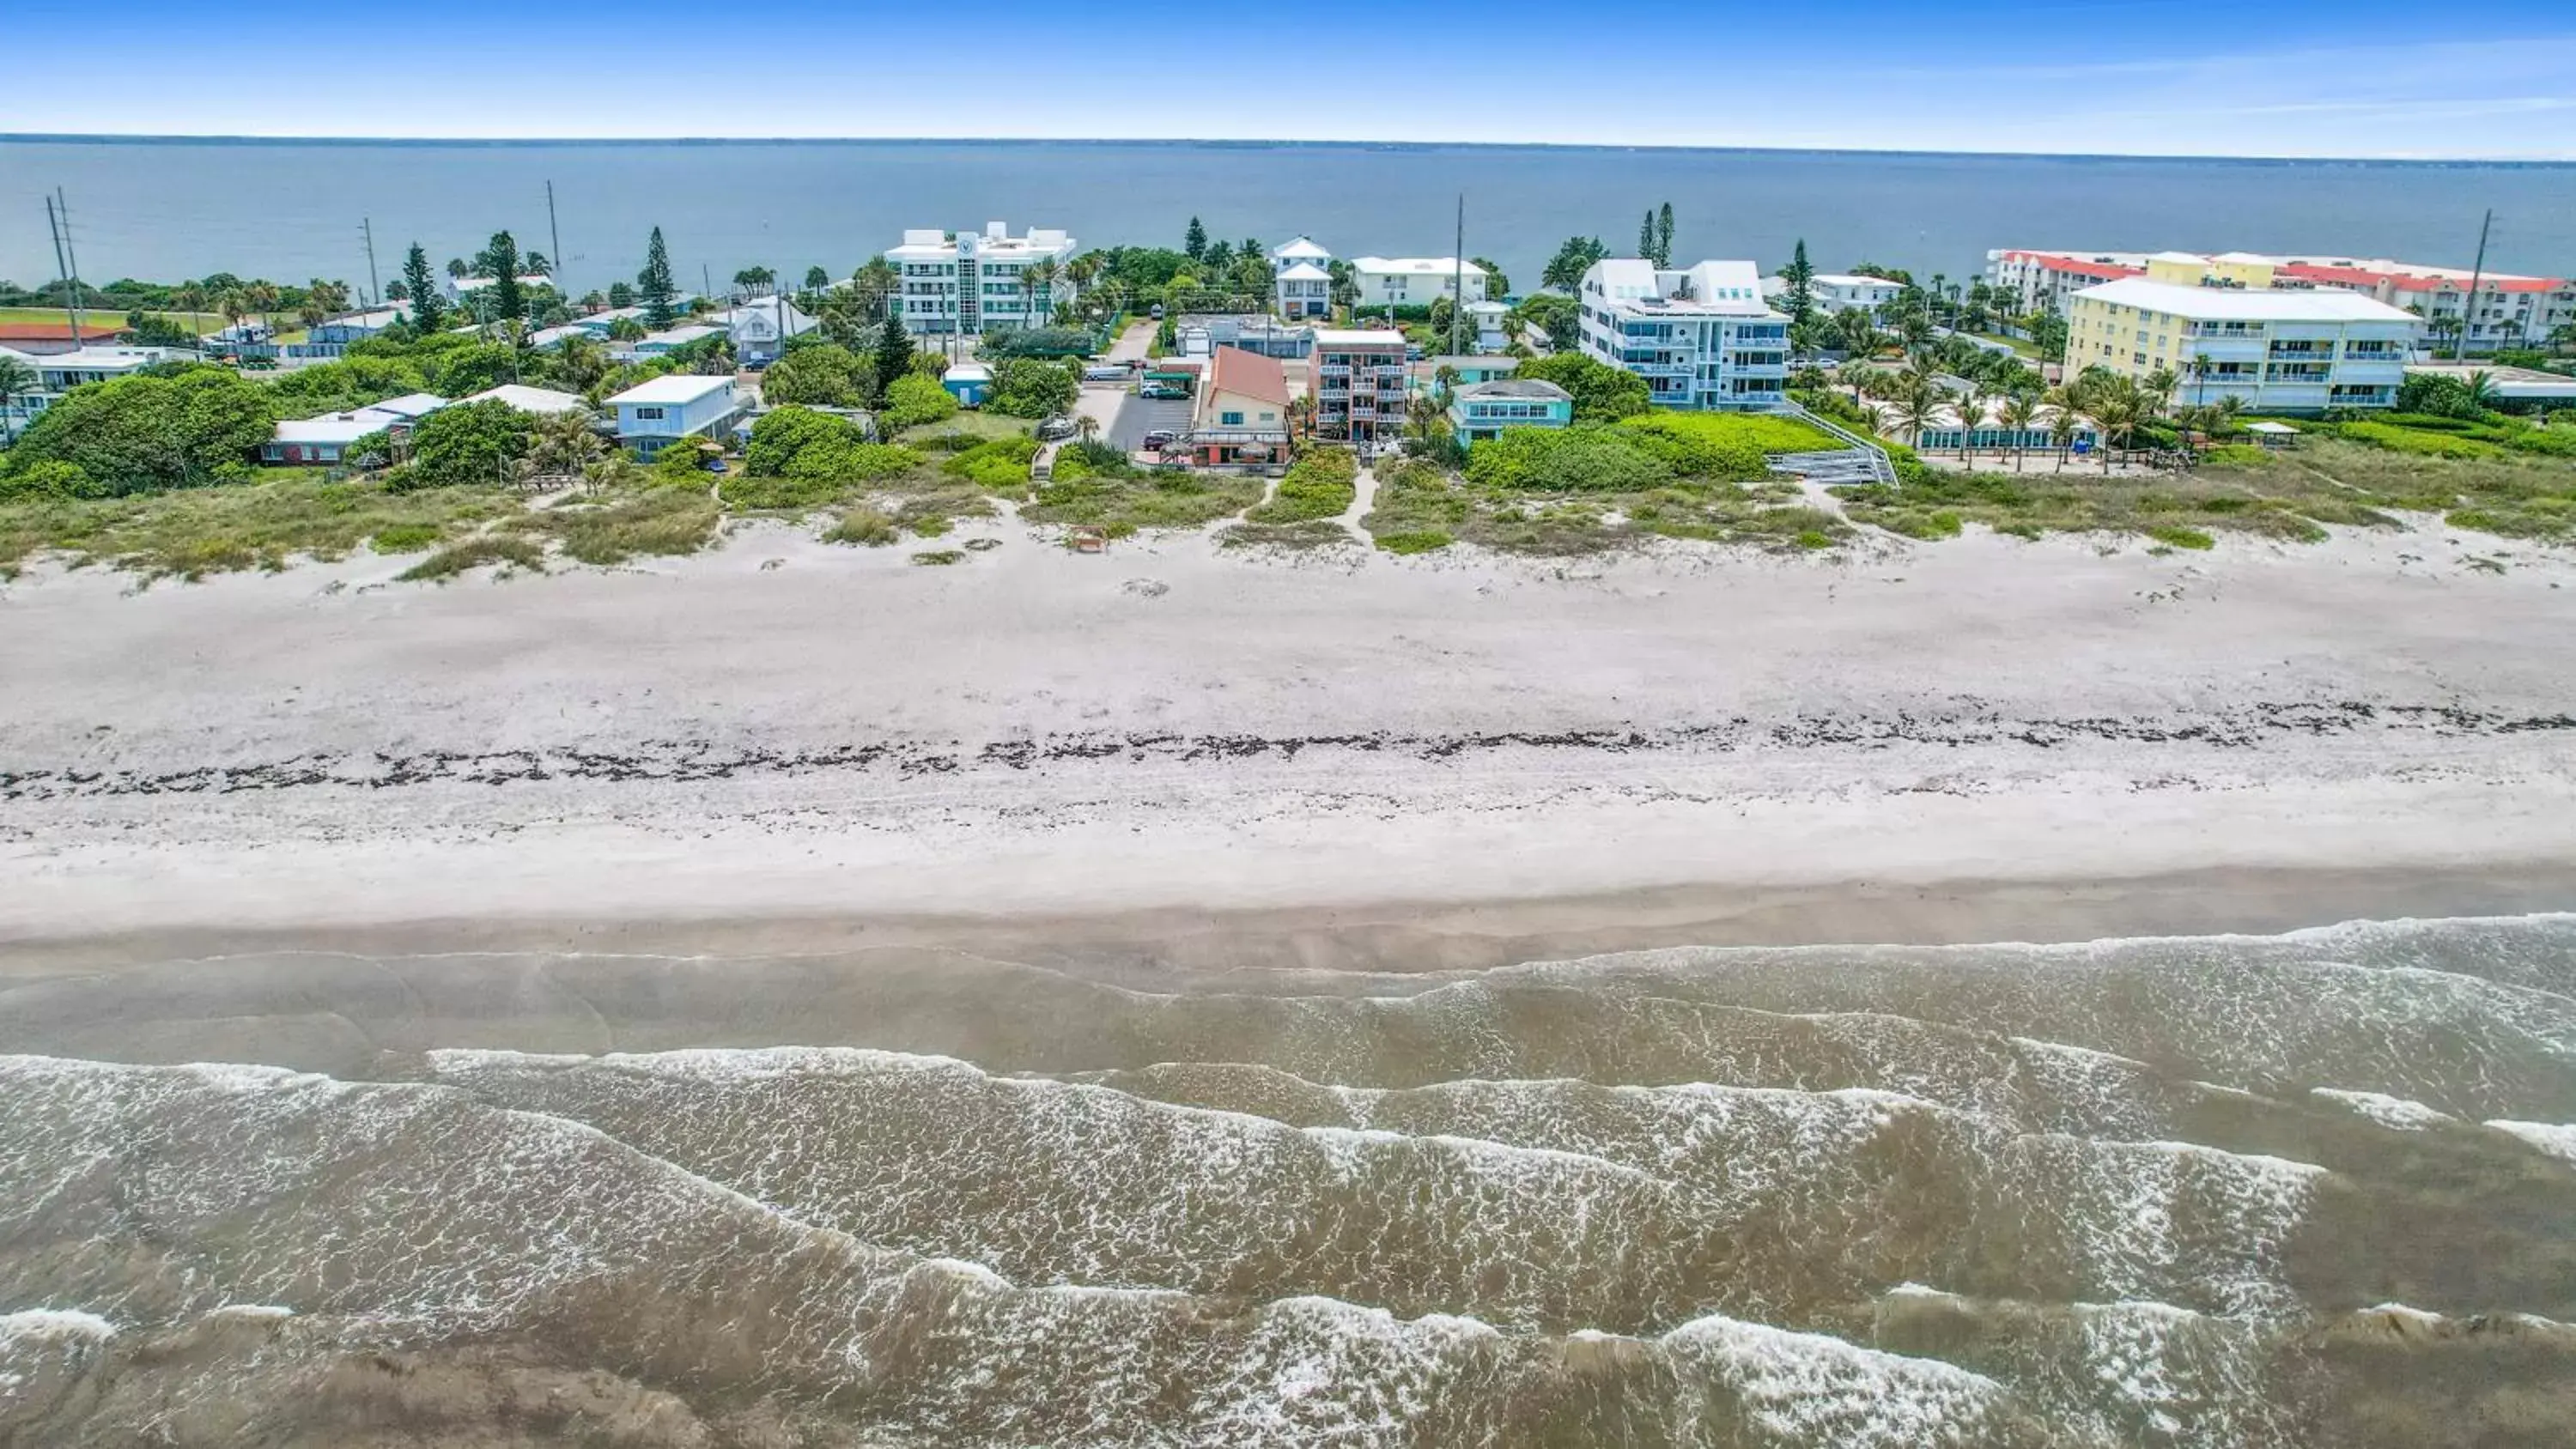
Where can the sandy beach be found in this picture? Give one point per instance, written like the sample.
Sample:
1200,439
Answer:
788,731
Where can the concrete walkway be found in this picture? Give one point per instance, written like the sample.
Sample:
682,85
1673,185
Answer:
1363,498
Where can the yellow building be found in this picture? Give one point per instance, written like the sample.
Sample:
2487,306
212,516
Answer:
2275,350
2227,269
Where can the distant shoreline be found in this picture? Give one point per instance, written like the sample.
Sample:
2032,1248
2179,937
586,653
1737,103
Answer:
1276,144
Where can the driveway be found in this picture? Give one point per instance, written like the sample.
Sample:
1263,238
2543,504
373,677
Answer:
1142,415
1133,344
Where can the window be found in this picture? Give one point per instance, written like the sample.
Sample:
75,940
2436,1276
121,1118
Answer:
1231,420
648,415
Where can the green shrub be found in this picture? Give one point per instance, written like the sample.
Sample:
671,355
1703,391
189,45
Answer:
2419,444
1569,460
782,434
1423,541
1815,539
404,538
995,462
865,527
939,557
51,478
1322,484
913,400
474,553
2180,537
741,490
1724,445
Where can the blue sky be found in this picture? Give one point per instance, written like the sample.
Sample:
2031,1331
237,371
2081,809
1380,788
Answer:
2495,78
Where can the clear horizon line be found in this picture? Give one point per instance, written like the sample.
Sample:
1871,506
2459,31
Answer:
293,139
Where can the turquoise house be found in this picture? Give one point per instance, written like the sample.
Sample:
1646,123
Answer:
1480,411
968,382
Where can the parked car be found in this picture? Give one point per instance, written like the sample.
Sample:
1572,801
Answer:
1164,392
1159,439
1158,312
1057,427
1105,372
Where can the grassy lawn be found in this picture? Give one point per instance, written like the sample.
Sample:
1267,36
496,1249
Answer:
1163,498
202,324
2023,348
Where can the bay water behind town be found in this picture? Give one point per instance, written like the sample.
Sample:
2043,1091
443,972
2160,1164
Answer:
2294,1190
163,210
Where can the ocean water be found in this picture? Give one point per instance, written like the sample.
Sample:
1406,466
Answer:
2315,1189
293,210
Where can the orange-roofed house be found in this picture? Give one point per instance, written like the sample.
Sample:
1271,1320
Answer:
1241,417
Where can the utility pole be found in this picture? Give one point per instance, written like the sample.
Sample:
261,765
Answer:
375,292
61,208
2477,273
1458,279
62,269
555,258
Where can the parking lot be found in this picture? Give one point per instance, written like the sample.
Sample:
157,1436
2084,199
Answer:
1141,415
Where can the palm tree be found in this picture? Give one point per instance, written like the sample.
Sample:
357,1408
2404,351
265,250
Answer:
2159,388
1918,408
2562,338
1037,284
192,298
232,304
562,444
263,297
2482,390
2019,411
1089,427
2062,424
581,363
1972,415
16,380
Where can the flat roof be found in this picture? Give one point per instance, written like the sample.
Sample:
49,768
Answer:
1417,266
677,387
1842,279
1359,337
99,359
2244,304
531,399
679,336
1517,387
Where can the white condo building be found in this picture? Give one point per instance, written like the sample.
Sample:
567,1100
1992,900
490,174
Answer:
1414,281
973,282
1702,337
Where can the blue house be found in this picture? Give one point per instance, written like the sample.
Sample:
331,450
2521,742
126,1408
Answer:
969,382
1480,411
653,415
331,339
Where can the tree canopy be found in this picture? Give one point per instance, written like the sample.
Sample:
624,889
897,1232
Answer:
146,434
1024,387
468,443
1565,270
1602,393
819,374
654,285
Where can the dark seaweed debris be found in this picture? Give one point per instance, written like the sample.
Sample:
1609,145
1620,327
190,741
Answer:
684,761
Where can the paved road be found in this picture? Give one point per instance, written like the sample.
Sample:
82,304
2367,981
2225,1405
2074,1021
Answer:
1133,344
1142,415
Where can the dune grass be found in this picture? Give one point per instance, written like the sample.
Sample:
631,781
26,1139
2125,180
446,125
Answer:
227,528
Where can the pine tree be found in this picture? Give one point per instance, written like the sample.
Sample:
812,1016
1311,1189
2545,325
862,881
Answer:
1196,244
654,283
893,351
428,308
508,301
1664,237
1800,274
1646,236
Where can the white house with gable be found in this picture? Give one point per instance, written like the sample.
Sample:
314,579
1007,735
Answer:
1702,337
1305,278
654,414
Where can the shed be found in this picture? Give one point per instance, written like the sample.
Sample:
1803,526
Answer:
969,382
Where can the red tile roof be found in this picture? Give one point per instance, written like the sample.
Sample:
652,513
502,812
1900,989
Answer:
1249,374
2057,262
59,331
2416,281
